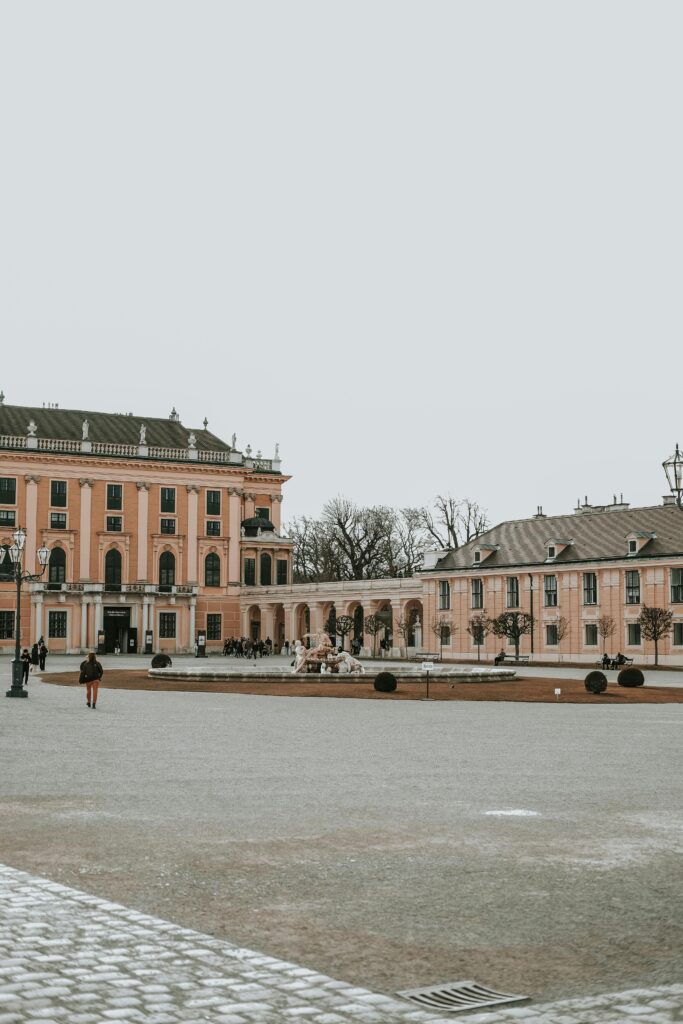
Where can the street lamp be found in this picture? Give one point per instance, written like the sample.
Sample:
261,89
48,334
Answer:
673,467
14,555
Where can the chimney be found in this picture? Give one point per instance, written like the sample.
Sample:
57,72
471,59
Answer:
540,514
668,499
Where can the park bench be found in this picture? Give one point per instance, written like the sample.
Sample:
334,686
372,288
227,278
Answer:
425,656
499,659
613,663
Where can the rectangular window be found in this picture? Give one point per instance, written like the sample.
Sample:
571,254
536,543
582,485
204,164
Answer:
6,625
550,591
633,634
676,586
56,625
58,520
168,499
167,625
591,635
512,592
168,525
213,627
58,493
444,595
678,634
633,587
551,636
281,572
633,547
590,588
7,517
213,503
477,593
250,572
8,490
114,524
114,497
262,513
213,528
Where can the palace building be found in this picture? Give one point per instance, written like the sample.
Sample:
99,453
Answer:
152,528
159,534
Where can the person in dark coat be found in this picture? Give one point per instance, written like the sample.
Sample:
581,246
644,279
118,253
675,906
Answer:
25,666
34,655
42,655
91,673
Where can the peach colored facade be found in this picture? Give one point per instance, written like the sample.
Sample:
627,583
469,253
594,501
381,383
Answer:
192,598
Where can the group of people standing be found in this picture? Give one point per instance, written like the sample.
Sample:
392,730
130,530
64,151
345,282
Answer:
243,647
35,658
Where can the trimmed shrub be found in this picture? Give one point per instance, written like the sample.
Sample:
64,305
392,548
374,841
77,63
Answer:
161,661
596,682
385,682
630,677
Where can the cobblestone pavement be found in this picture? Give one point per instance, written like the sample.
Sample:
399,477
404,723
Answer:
70,958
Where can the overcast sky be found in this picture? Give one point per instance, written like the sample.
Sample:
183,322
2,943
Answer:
426,246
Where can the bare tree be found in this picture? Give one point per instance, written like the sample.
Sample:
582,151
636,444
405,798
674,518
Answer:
513,626
442,629
403,627
344,626
372,625
607,627
453,521
479,628
655,623
562,630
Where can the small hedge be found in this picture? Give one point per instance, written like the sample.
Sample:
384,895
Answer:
161,661
596,682
630,677
385,682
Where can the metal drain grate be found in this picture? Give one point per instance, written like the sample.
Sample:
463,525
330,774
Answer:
459,995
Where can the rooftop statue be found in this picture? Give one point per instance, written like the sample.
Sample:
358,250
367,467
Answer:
85,428
143,434
32,428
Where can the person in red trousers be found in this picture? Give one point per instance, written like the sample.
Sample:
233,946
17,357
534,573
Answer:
91,673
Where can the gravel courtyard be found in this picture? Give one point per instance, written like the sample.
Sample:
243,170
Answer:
534,847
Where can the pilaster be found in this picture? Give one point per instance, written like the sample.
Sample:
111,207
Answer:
86,486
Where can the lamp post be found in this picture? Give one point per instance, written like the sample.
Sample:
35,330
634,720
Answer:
14,554
673,467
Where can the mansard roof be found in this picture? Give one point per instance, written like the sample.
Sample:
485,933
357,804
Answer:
113,428
597,536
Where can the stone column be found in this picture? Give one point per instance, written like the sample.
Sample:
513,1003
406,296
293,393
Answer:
249,505
98,616
289,625
396,638
84,624
39,615
85,528
244,616
234,507
143,528
193,621
317,617
267,621
276,511
192,503
31,522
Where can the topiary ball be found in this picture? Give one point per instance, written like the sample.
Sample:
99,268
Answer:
161,661
385,682
630,677
596,682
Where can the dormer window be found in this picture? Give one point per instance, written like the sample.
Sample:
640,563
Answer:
637,540
555,547
484,551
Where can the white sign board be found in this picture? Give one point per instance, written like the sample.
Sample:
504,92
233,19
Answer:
557,692
427,666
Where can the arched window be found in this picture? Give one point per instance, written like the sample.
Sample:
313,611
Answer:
212,571
266,569
57,567
166,571
112,570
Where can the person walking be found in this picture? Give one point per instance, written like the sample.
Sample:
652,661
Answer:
35,657
91,673
25,666
42,655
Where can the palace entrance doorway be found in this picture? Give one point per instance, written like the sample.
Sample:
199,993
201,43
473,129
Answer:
116,624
